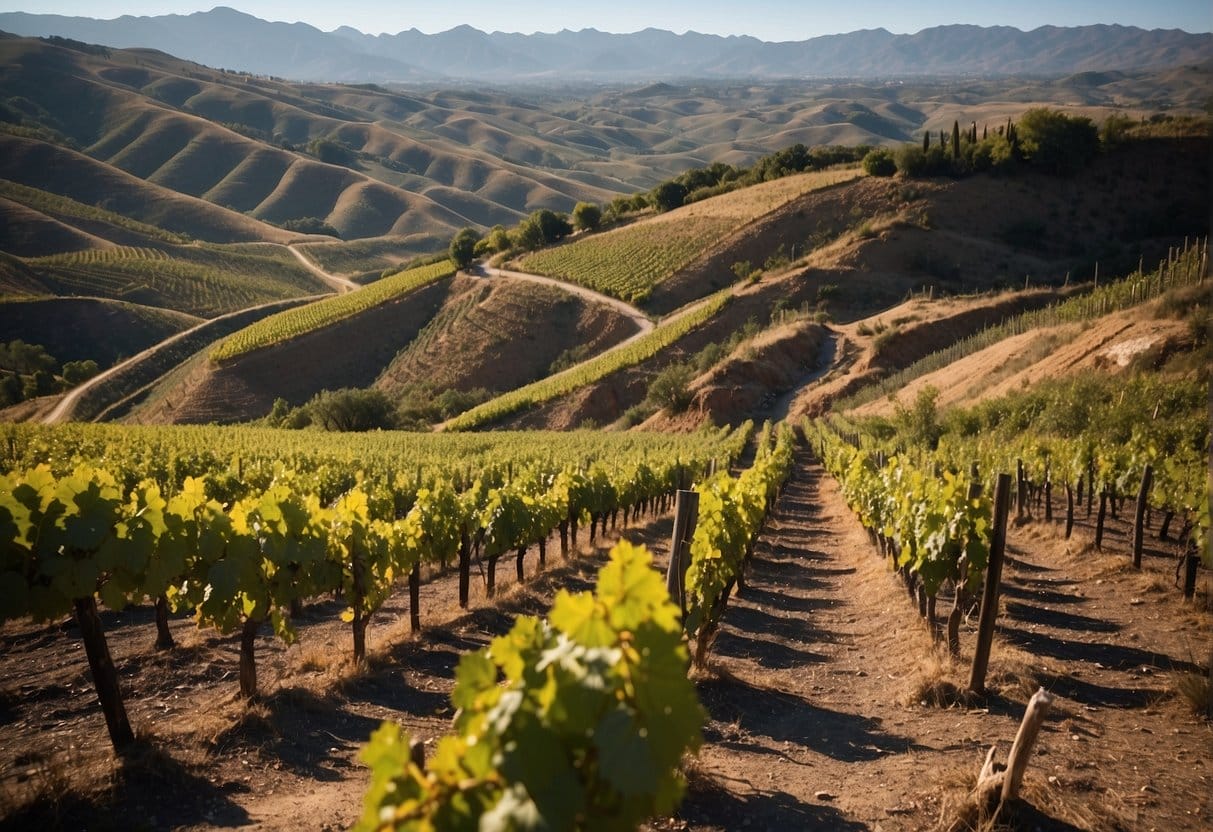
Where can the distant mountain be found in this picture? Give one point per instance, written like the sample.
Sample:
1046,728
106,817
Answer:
227,38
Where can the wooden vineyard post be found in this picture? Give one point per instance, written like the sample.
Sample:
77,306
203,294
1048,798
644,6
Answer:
1103,511
1139,517
415,598
164,636
1191,563
989,598
1070,508
1021,491
248,661
1048,496
465,566
105,677
686,515
962,574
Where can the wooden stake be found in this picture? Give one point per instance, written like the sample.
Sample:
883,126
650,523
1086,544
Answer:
1139,528
989,599
686,515
415,598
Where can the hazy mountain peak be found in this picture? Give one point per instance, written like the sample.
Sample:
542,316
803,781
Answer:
230,38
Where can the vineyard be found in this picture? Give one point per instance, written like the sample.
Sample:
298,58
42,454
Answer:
202,280
54,204
588,372
296,322
628,262
167,515
924,489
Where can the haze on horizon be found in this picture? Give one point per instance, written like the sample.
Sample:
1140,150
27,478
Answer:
771,20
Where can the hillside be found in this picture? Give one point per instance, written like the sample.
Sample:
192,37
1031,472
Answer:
459,333
77,329
222,156
873,242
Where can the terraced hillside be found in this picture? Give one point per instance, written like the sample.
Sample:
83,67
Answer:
450,332
632,262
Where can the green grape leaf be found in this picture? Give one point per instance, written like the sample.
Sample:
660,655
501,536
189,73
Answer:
623,754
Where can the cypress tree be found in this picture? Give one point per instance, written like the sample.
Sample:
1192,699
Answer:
943,139
985,132
926,141
973,133
955,139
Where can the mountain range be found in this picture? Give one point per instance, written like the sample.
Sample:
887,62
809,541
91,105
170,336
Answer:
227,38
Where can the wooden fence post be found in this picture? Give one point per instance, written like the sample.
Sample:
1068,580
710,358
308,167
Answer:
989,598
1139,528
686,515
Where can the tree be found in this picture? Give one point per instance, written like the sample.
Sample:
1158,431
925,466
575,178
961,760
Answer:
587,216
669,388
463,247
1055,142
352,410
880,162
542,227
24,358
955,139
926,141
668,195
311,225
75,372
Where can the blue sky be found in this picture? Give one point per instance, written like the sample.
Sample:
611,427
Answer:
766,19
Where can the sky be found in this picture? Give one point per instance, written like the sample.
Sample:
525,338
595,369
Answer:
776,20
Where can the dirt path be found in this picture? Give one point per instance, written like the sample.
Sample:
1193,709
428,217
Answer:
827,361
339,283
815,716
65,409
643,322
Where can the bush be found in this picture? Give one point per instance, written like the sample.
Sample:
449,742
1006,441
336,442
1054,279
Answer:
311,225
669,388
463,247
75,372
352,410
880,162
587,216
1057,143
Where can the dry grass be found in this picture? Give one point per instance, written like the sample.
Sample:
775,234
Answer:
1045,802
1195,688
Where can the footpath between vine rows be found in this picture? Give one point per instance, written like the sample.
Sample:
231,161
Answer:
814,694
814,697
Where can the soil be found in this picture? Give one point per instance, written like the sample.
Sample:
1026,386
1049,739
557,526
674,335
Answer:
818,694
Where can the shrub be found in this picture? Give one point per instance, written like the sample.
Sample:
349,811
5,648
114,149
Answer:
880,162
669,388
352,410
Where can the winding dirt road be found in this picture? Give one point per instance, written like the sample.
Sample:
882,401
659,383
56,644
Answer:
339,283
642,321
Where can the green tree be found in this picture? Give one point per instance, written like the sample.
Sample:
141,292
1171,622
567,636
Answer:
463,247
24,358
352,410
879,162
668,195
587,216
955,139
669,388
1055,142
75,372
